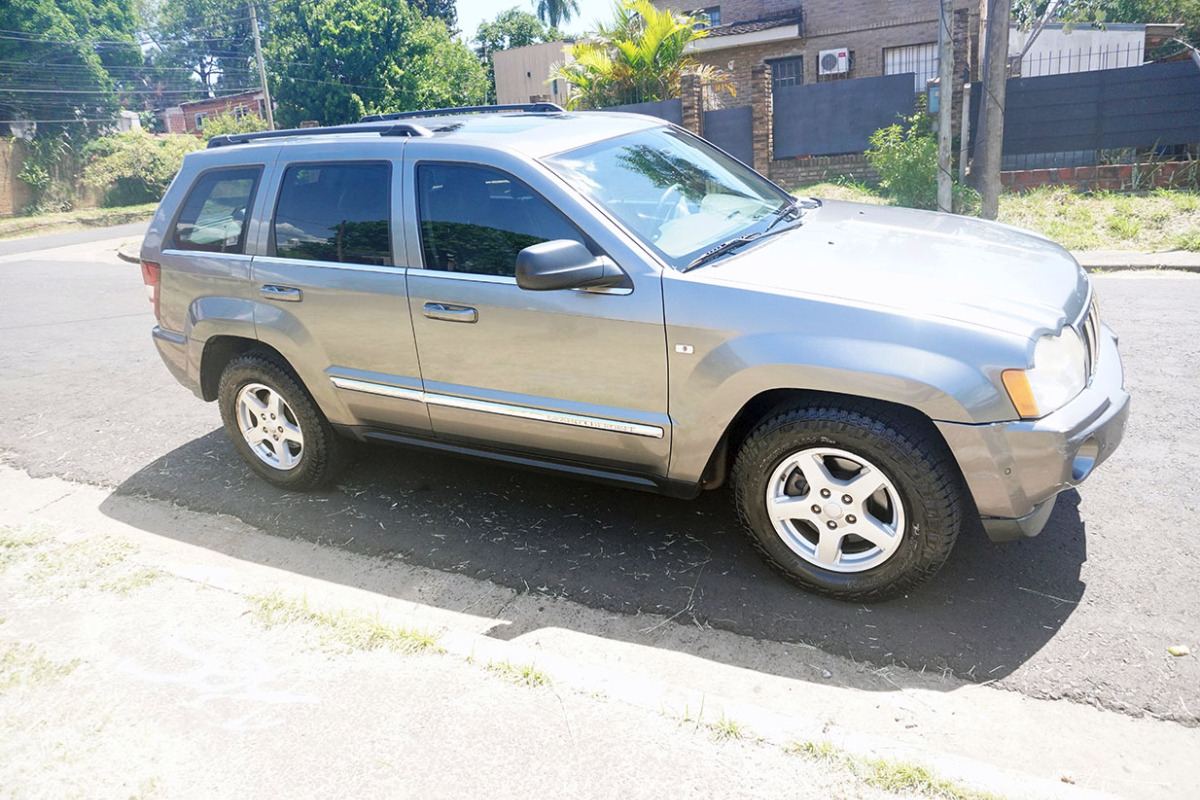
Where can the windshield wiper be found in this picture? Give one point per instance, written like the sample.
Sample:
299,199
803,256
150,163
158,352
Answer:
788,211
721,249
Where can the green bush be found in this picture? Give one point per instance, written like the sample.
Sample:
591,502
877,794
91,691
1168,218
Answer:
906,160
135,167
905,156
226,123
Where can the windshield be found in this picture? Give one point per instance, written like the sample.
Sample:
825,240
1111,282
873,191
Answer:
672,190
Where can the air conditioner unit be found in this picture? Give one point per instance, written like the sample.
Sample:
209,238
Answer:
833,62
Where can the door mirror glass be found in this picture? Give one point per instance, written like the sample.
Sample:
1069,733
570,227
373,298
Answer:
565,264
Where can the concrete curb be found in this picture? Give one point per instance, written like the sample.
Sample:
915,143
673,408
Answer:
130,252
1126,260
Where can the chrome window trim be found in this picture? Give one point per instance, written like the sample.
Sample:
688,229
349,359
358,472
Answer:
503,409
475,277
347,265
208,253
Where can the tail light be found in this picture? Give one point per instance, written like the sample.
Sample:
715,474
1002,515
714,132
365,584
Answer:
152,275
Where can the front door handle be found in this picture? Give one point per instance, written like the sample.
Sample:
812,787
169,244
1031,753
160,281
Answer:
450,313
288,294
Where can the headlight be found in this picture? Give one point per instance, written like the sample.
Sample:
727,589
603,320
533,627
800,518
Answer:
1059,373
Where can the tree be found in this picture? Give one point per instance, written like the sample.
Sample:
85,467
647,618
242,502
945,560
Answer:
1186,12
336,60
203,45
57,61
556,12
639,57
511,28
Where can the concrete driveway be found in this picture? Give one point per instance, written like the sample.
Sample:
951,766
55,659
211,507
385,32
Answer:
1084,612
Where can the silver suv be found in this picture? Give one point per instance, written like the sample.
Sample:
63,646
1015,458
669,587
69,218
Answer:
608,296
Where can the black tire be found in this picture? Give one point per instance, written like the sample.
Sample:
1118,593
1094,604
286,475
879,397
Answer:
320,456
909,453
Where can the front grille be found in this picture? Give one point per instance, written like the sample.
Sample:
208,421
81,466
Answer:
1090,331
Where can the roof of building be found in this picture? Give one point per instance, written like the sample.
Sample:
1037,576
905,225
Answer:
761,24
249,94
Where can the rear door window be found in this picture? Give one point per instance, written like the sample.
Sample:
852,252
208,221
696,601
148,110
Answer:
213,218
335,212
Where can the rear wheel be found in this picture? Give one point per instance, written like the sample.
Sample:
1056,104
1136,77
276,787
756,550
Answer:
275,426
848,501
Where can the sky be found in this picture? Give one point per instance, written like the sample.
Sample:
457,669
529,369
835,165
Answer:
472,12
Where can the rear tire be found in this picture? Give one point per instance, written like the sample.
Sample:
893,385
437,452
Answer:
849,500
275,425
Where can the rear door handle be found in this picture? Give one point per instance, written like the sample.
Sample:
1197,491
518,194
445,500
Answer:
451,313
287,294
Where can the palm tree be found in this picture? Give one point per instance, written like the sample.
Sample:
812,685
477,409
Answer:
639,57
552,12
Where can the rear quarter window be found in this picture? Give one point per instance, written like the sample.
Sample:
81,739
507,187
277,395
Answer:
214,215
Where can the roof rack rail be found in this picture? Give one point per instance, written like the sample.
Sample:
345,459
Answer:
528,108
383,128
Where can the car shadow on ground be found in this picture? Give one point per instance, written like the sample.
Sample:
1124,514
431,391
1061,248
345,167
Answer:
987,612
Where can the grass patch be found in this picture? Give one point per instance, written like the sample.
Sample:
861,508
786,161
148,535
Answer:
16,542
78,219
125,584
520,674
1164,219
900,777
349,628
725,729
842,189
24,665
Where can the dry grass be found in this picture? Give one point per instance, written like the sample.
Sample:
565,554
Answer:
520,674
890,775
348,628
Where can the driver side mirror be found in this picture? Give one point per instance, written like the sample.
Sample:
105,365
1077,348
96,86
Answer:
565,264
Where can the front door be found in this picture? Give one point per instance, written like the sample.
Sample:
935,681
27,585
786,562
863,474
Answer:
575,374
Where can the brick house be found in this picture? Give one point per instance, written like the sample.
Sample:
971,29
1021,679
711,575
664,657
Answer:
189,117
827,40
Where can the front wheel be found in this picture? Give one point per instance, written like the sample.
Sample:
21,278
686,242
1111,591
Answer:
848,500
275,426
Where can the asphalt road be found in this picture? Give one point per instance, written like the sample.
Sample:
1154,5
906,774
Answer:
1085,612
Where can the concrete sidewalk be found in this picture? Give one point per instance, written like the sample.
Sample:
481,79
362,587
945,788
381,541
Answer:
140,663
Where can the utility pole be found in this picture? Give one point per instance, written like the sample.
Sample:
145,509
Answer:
945,181
262,69
991,112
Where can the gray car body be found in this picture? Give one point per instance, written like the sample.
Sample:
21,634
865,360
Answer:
644,385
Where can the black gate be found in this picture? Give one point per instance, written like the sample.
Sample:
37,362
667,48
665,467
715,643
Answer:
732,130
822,119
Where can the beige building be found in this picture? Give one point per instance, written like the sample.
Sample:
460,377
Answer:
523,73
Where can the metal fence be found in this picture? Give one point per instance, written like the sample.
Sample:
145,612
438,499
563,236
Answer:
1061,62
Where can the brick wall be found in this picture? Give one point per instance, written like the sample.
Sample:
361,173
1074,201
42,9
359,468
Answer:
1112,178
792,172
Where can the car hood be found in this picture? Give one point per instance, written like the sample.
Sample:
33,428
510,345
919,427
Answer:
968,270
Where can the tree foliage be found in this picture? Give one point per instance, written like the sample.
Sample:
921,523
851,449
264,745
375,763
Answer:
640,56
336,60
65,49
511,28
202,44
556,12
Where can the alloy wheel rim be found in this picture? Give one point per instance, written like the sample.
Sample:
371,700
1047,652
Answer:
269,426
835,509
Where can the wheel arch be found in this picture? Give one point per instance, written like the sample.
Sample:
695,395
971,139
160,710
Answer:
771,401
220,350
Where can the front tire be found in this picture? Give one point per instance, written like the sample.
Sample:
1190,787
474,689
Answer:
849,500
275,426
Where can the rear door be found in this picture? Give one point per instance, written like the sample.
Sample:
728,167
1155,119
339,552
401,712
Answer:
331,292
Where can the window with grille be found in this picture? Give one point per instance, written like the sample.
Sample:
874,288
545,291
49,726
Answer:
919,59
787,72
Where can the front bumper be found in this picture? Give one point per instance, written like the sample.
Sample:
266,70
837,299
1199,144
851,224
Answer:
1015,469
